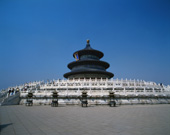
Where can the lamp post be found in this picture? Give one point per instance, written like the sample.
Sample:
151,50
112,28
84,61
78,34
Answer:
55,99
84,99
112,97
29,101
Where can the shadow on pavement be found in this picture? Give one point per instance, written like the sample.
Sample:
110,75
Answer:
4,126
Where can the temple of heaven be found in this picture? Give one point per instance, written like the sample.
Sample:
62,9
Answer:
88,64
88,81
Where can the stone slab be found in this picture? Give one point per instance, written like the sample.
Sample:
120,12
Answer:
94,120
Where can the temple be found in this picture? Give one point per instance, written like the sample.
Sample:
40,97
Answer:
88,64
87,82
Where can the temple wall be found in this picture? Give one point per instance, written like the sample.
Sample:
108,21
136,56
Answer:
95,98
99,101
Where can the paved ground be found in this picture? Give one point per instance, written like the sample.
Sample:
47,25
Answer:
75,120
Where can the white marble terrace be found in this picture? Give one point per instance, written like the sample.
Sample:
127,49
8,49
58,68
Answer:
96,87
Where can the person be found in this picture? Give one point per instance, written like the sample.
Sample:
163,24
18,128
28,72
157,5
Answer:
9,92
17,90
12,91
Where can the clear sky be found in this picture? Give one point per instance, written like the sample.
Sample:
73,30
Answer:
38,38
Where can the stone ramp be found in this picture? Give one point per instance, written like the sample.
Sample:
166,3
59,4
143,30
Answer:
11,100
3,96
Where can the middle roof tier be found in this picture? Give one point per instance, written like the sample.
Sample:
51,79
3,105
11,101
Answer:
103,64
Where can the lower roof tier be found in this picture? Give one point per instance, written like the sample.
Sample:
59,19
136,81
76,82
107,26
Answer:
88,74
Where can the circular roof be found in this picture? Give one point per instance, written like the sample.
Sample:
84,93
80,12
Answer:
88,62
109,74
88,50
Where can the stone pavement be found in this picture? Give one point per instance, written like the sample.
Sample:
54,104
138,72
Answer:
94,120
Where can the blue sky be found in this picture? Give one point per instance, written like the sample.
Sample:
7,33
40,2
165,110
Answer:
38,38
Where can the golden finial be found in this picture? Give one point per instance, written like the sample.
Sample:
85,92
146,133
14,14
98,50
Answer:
88,41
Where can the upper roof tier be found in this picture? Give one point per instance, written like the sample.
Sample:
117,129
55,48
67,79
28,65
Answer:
88,51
